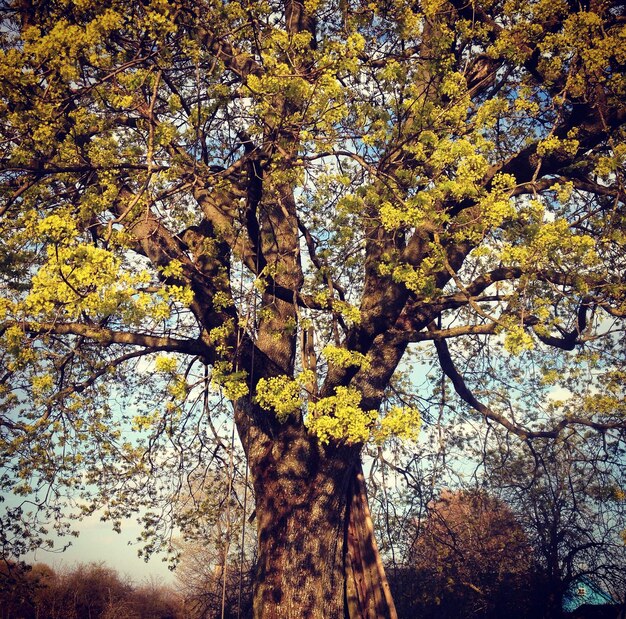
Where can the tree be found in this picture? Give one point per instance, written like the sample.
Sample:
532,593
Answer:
88,590
207,585
17,588
154,601
215,571
471,558
278,199
571,504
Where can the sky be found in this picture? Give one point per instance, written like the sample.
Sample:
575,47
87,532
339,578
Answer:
99,543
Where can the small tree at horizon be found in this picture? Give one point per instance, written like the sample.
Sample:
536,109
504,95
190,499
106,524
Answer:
470,557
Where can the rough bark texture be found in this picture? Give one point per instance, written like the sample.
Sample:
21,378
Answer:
368,595
317,554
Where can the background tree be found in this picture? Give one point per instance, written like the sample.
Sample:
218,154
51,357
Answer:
571,504
18,587
278,199
155,601
215,571
469,558
207,584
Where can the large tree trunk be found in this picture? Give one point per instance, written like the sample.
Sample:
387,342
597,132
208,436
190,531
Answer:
317,555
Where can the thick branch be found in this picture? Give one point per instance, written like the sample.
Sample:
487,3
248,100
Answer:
592,127
450,370
106,336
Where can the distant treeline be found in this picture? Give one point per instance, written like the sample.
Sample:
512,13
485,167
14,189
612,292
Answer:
87,591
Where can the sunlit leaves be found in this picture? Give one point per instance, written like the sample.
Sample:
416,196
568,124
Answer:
288,206
281,395
340,418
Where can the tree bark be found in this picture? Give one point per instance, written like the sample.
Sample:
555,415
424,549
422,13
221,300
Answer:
317,557
368,595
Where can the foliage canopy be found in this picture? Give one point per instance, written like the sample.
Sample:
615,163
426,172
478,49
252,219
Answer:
276,200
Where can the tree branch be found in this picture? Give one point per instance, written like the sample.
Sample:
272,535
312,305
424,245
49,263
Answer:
106,337
465,393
